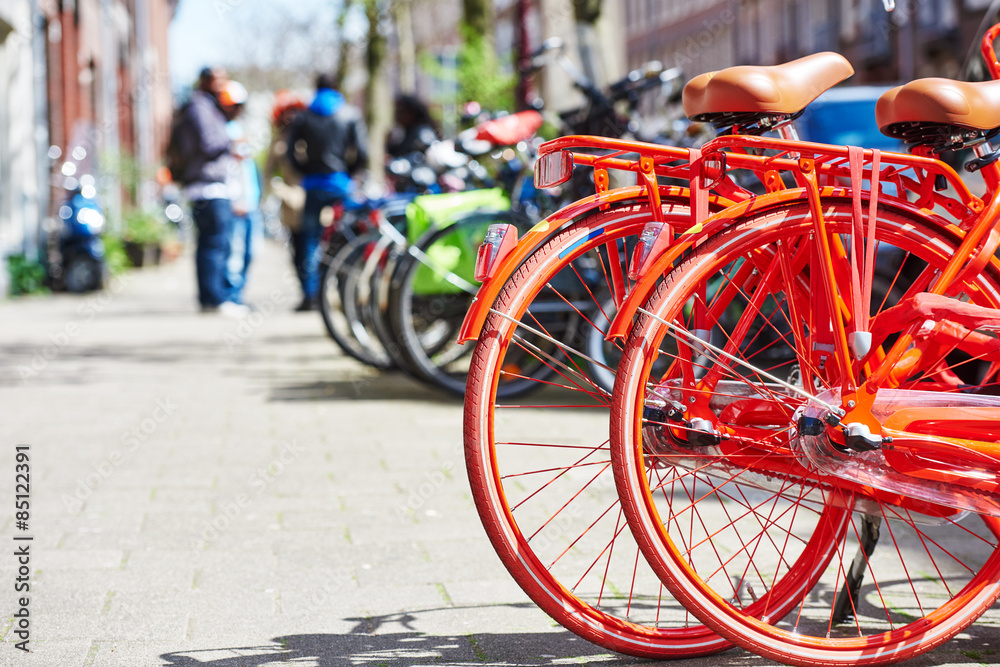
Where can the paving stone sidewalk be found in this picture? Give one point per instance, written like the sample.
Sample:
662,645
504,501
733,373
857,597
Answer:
213,492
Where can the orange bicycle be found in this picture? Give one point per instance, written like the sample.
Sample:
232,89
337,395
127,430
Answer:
784,399
540,467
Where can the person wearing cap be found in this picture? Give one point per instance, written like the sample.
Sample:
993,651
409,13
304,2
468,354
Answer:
327,144
205,181
244,192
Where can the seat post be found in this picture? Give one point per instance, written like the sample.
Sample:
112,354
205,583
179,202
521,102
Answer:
983,149
788,132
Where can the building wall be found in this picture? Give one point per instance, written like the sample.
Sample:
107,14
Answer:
19,182
925,38
89,74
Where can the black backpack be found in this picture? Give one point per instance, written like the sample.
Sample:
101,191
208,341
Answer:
183,149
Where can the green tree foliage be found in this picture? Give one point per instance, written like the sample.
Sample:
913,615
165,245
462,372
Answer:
480,76
587,11
476,16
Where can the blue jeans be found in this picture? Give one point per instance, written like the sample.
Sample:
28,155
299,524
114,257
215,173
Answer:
214,220
305,242
246,233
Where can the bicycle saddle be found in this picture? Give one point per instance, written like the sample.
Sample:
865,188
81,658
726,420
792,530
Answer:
765,90
941,102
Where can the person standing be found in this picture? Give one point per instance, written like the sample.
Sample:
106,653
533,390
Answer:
244,193
280,178
199,158
327,144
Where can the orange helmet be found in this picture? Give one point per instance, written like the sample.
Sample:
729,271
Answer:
285,101
233,94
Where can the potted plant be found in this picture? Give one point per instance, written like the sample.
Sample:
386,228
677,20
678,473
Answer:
141,236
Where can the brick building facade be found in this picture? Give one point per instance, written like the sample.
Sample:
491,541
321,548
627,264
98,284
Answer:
90,74
926,38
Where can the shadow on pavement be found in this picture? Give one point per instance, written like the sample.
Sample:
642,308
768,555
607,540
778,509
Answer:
383,387
366,644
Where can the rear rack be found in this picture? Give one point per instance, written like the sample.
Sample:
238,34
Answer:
928,181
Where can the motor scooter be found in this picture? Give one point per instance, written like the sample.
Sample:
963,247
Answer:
84,268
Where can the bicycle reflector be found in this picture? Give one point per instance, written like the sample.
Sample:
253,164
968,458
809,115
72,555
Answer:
713,170
500,240
653,241
553,169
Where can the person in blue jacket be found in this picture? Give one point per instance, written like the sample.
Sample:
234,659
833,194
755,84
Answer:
327,144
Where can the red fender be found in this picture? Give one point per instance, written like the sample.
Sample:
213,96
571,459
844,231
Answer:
546,229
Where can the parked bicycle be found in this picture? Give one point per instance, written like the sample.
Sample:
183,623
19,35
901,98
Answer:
756,476
395,297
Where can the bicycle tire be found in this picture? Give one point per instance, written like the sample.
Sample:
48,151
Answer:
891,621
426,326
334,297
546,527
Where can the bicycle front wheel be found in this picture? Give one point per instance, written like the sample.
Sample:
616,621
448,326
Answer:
709,472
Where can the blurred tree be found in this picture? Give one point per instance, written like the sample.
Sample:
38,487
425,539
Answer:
587,11
480,78
344,50
407,49
285,49
378,108
477,17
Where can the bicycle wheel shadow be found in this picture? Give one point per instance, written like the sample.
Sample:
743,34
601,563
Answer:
368,644
392,640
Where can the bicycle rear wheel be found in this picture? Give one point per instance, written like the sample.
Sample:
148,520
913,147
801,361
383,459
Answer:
338,304
539,467
711,479
431,290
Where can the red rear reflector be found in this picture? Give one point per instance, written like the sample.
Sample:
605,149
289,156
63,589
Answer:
653,241
500,240
552,169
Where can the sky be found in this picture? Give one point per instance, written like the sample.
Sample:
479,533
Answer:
207,32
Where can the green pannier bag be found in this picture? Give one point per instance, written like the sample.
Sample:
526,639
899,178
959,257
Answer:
454,253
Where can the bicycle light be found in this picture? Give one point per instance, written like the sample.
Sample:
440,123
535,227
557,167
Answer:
500,240
553,169
653,241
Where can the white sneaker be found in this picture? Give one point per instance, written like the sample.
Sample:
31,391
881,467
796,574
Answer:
234,310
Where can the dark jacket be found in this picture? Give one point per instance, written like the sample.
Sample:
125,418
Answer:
208,161
328,138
